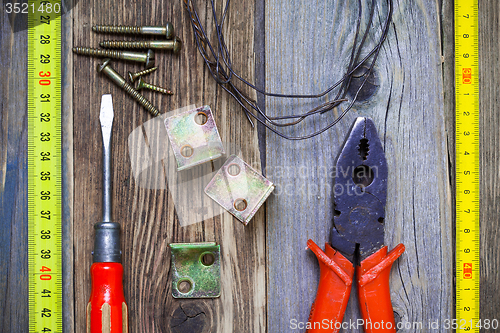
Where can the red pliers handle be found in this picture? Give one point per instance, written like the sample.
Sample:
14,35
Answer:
336,275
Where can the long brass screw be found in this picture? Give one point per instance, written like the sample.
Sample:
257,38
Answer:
141,84
120,82
174,44
133,76
167,30
148,58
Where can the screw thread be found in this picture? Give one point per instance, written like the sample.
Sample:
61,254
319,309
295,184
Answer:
146,71
158,89
97,52
141,99
118,44
116,29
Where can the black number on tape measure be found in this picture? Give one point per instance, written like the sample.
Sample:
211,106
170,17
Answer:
45,195
45,254
466,133
466,35
44,39
45,175
466,153
466,15
45,59
466,172
46,312
45,156
466,55
45,215
45,96
45,234
44,19
466,308
46,293
467,211
466,113
44,136
467,250
466,231
45,329
466,192
44,117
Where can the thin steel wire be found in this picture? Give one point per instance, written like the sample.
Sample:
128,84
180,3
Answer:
218,61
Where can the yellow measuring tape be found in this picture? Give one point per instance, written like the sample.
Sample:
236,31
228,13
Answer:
44,166
467,166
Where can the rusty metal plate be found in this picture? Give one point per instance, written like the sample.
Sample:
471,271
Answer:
194,137
196,270
239,189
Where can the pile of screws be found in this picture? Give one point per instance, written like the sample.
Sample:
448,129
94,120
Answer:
172,43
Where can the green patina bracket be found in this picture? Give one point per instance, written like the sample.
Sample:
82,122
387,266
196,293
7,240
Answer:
196,270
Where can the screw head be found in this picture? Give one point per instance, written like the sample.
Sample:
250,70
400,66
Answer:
140,84
177,44
150,61
100,67
169,30
131,76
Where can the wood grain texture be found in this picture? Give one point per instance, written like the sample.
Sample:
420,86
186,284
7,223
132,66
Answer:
148,216
489,32
67,169
306,47
13,179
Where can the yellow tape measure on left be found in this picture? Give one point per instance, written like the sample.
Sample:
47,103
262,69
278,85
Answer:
44,166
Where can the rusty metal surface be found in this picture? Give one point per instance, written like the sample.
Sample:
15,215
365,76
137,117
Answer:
360,192
194,143
201,277
239,189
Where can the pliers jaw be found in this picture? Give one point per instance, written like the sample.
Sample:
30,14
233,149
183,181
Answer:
360,193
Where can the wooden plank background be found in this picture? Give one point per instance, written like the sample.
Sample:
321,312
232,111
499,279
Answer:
268,277
408,112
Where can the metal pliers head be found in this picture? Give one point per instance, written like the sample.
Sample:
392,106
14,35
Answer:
360,193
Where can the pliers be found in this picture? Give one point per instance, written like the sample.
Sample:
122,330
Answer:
357,238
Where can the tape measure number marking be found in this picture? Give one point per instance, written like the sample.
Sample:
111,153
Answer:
467,165
44,167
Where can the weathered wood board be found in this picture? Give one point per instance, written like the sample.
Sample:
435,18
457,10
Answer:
306,47
13,178
148,216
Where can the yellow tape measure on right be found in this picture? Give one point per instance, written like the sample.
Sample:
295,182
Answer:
467,166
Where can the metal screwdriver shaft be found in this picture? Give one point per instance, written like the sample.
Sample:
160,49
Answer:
106,119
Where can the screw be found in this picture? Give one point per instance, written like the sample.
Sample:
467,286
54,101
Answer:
134,76
147,58
167,30
174,44
120,82
141,84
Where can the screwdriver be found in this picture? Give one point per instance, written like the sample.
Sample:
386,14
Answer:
107,311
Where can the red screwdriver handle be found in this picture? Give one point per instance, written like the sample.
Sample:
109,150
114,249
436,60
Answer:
334,288
107,311
374,293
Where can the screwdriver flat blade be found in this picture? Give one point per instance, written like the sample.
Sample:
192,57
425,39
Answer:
106,119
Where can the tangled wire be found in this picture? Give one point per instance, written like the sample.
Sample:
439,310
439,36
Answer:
218,61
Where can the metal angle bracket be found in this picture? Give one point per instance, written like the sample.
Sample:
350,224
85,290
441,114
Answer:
196,270
239,189
194,137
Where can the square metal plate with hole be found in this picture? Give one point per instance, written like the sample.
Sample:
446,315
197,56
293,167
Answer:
196,270
194,137
239,189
